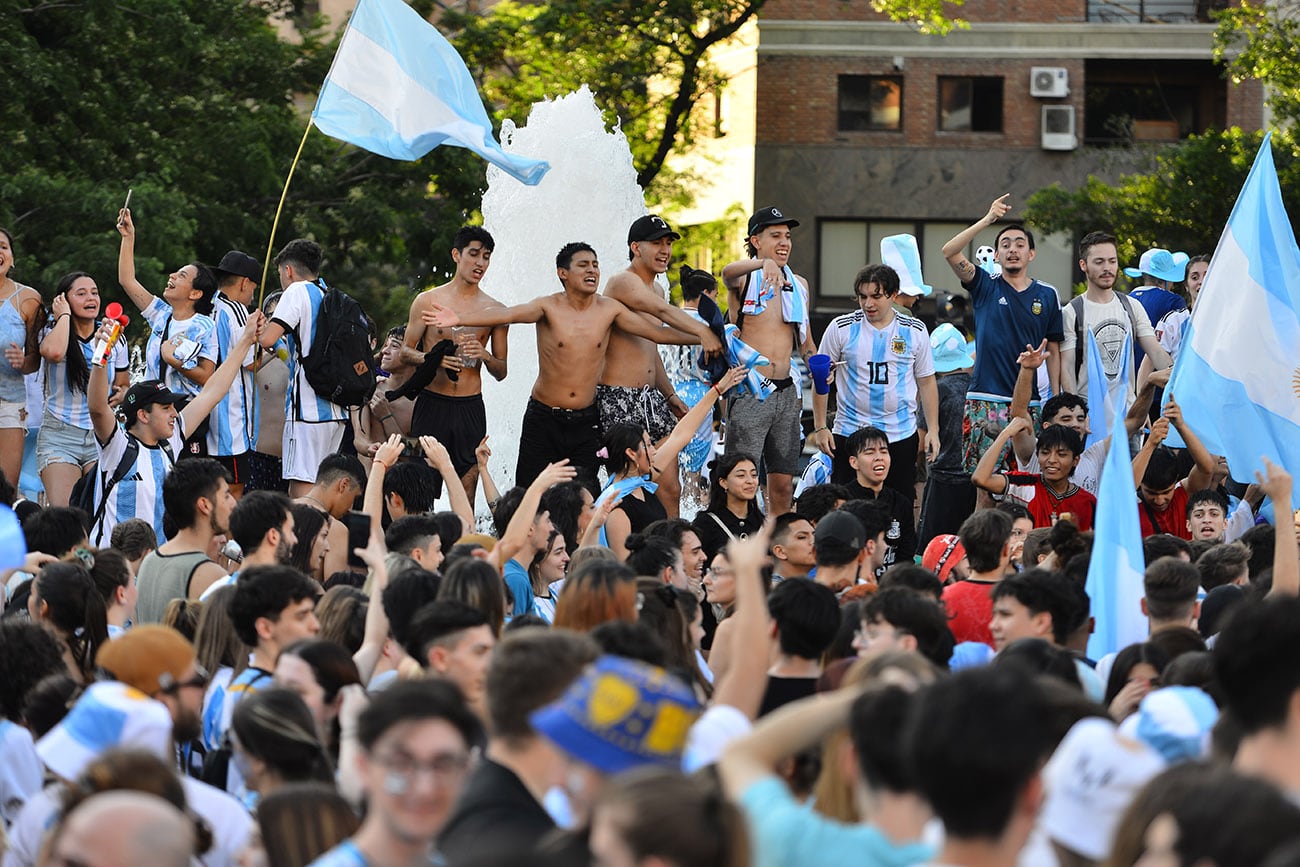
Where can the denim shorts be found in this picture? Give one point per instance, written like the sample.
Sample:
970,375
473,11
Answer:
13,414
61,443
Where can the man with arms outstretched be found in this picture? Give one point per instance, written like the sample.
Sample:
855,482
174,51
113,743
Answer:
635,386
573,331
451,410
770,305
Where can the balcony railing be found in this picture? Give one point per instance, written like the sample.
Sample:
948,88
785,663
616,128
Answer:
1153,11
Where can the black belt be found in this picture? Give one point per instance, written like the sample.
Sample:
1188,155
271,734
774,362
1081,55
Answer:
782,384
559,411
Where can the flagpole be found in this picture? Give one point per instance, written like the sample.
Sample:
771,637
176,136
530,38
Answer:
275,224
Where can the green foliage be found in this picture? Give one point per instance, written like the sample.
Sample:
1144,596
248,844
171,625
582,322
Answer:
1180,202
1262,41
191,103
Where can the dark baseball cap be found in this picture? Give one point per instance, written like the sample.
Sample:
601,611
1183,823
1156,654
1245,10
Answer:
239,264
769,217
148,393
650,228
839,531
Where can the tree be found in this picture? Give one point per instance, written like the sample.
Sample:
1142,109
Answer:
192,104
647,62
1262,41
1180,201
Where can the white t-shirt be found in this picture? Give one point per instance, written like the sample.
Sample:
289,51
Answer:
139,494
1169,331
1110,325
21,773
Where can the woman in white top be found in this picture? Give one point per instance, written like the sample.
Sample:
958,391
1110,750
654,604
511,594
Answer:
20,316
65,445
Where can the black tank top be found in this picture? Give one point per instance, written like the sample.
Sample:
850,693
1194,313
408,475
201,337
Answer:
642,513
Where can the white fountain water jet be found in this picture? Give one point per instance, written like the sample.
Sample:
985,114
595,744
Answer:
590,194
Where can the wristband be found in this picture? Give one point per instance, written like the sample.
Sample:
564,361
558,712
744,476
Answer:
381,463
715,388
385,417
819,430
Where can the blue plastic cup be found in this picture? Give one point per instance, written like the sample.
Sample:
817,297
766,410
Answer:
819,367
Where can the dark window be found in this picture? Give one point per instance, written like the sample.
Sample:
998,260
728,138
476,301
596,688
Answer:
970,104
870,102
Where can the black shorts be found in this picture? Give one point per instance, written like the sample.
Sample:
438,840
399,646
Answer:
265,473
459,423
549,434
236,465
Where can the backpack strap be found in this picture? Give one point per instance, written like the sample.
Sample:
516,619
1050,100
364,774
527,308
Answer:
1077,306
124,466
725,528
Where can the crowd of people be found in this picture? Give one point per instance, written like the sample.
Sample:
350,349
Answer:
244,632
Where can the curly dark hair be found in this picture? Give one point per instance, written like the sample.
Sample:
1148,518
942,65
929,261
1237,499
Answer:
28,652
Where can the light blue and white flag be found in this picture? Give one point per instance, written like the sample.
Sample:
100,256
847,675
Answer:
398,88
1115,572
1237,378
1105,396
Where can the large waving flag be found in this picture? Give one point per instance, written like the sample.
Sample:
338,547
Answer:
1115,571
1105,396
398,88
1238,374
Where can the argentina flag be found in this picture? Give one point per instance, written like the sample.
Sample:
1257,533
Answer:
1238,375
1105,396
1115,571
398,88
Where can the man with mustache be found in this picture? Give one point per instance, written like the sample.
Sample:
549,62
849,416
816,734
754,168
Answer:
1112,318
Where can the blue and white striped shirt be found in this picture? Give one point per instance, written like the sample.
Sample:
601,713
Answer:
877,385
69,405
199,328
298,312
232,426
139,494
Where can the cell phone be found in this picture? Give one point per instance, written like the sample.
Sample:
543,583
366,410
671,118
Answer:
358,524
127,203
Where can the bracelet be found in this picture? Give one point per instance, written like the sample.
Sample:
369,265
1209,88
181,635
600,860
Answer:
818,430
386,467
384,418
61,315
718,390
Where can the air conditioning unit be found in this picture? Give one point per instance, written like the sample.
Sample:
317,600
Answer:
1058,128
1049,82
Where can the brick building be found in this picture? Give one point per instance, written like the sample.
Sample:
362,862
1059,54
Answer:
866,128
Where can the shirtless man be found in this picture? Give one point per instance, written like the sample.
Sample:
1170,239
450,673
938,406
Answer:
573,331
452,411
775,320
635,385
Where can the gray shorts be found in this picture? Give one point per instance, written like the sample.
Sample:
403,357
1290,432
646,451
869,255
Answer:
768,428
645,406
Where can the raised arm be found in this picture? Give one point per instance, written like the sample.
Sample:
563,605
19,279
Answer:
1159,430
102,418
625,288
1030,360
671,446
635,325
1276,484
54,345
984,477
955,250
220,382
1203,472
437,456
745,681
376,627
1140,410
520,314
140,296
481,456
516,533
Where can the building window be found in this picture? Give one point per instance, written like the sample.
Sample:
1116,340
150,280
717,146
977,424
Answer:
870,102
970,104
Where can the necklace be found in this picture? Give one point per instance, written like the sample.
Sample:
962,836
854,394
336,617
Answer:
317,502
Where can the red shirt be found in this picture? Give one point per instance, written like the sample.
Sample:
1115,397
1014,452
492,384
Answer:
970,608
1172,520
1046,506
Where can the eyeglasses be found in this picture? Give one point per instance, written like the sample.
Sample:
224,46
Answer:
169,684
720,571
441,767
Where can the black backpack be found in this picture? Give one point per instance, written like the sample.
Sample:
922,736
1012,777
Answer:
339,365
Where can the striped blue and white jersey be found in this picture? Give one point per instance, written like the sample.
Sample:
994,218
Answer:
67,404
198,328
139,494
877,383
299,312
232,426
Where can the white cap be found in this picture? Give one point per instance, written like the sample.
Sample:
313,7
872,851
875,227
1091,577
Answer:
1090,780
1175,721
108,715
900,253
